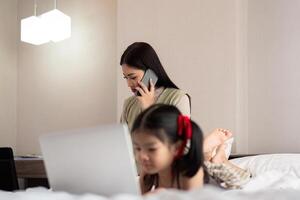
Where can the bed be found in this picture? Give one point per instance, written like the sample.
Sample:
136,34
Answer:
275,176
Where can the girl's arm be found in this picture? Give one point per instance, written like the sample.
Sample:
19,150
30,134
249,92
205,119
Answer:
142,184
196,181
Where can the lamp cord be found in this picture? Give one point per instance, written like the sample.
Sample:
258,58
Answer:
35,7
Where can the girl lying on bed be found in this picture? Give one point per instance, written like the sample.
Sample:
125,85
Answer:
169,150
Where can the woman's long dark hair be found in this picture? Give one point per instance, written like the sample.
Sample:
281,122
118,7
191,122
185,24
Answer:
161,121
142,56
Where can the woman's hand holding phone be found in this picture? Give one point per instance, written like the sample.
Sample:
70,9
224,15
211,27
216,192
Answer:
147,97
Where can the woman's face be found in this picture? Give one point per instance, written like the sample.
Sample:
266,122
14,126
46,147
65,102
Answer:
132,76
152,155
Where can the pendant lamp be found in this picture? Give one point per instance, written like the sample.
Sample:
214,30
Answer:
51,26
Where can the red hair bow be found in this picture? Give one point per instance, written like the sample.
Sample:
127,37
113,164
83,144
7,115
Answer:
184,129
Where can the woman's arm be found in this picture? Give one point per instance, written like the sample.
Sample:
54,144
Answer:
123,119
184,105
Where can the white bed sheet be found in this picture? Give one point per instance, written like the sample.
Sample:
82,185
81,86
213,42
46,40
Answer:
207,193
275,177
272,171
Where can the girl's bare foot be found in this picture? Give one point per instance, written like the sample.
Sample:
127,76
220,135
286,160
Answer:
213,140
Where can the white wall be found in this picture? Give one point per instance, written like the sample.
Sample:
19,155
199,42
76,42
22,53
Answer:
196,41
8,72
237,59
241,136
274,75
70,84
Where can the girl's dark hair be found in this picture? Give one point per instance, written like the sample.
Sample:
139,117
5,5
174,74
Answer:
142,56
160,120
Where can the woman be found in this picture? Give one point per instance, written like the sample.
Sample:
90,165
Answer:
137,58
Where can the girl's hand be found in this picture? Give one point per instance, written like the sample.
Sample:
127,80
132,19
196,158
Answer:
147,97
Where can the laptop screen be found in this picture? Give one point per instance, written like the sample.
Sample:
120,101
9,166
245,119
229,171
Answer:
94,160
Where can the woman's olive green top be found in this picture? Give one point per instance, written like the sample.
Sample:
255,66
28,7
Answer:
170,96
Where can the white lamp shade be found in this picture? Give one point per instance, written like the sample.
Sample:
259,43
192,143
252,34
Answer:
58,25
33,31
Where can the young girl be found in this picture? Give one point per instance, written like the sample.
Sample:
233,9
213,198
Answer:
169,152
168,149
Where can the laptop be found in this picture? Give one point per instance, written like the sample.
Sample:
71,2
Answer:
95,160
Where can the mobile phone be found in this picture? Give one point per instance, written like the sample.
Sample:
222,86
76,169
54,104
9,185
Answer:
149,74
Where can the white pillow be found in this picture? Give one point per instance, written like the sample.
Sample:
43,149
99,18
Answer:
286,163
